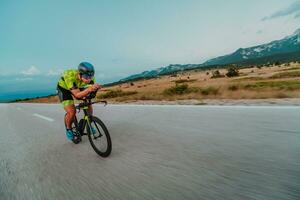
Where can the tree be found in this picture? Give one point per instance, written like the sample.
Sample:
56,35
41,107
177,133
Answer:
232,71
217,74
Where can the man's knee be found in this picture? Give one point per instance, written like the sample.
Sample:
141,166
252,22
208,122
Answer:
70,111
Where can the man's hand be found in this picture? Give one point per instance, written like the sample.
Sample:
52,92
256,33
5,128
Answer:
94,87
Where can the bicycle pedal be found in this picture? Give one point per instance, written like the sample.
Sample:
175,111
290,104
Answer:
76,139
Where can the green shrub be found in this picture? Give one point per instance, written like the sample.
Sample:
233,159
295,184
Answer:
209,90
180,89
279,85
177,89
116,93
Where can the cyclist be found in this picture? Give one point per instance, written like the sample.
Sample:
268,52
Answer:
79,84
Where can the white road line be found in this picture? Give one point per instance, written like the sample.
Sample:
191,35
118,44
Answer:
271,106
43,117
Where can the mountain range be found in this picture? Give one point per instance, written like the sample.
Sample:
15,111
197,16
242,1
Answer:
284,50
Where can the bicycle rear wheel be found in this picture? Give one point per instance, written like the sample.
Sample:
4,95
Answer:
100,140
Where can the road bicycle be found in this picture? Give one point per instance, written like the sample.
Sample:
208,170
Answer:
93,127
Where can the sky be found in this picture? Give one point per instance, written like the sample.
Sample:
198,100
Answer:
40,39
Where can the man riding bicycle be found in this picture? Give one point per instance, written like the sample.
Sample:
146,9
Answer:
78,83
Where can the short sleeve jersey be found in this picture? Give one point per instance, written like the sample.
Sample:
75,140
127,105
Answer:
69,80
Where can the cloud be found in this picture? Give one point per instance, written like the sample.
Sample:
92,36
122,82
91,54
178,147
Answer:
259,32
24,79
56,72
294,8
31,71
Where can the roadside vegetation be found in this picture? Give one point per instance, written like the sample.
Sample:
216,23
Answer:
116,93
273,80
290,69
186,89
184,81
288,74
180,89
254,78
209,91
278,85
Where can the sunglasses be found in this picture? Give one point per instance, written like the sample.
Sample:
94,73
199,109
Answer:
87,76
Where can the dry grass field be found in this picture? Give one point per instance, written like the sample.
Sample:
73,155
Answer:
281,81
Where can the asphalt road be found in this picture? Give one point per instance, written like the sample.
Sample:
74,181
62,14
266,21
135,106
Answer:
159,152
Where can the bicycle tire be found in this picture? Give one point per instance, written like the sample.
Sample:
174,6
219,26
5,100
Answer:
103,153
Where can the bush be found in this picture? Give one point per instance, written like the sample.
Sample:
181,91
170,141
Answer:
177,89
210,90
116,93
184,81
277,63
217,74
180,89
232,71
233,87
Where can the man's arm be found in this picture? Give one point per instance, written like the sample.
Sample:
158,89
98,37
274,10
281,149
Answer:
81,94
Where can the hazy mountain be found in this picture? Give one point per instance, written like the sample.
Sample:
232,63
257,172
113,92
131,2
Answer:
286,49
160,71
285,45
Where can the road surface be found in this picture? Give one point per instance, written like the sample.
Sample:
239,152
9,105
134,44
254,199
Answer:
159,152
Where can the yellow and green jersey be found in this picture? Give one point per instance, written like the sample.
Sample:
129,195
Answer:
69,80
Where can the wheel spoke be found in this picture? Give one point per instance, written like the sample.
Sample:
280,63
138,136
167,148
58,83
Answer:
100,134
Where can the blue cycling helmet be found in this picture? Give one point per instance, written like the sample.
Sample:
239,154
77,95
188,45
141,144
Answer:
86,68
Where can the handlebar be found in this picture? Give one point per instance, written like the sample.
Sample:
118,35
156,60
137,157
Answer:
88,102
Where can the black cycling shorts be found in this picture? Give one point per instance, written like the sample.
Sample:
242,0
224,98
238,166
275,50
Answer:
65,96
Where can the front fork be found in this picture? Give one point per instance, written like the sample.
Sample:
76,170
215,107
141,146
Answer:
87,119
88,123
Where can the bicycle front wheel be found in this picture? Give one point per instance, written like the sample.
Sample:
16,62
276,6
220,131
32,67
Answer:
99,137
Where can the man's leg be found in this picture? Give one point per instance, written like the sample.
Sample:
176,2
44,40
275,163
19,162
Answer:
69,118
67,101
70,115
90,110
